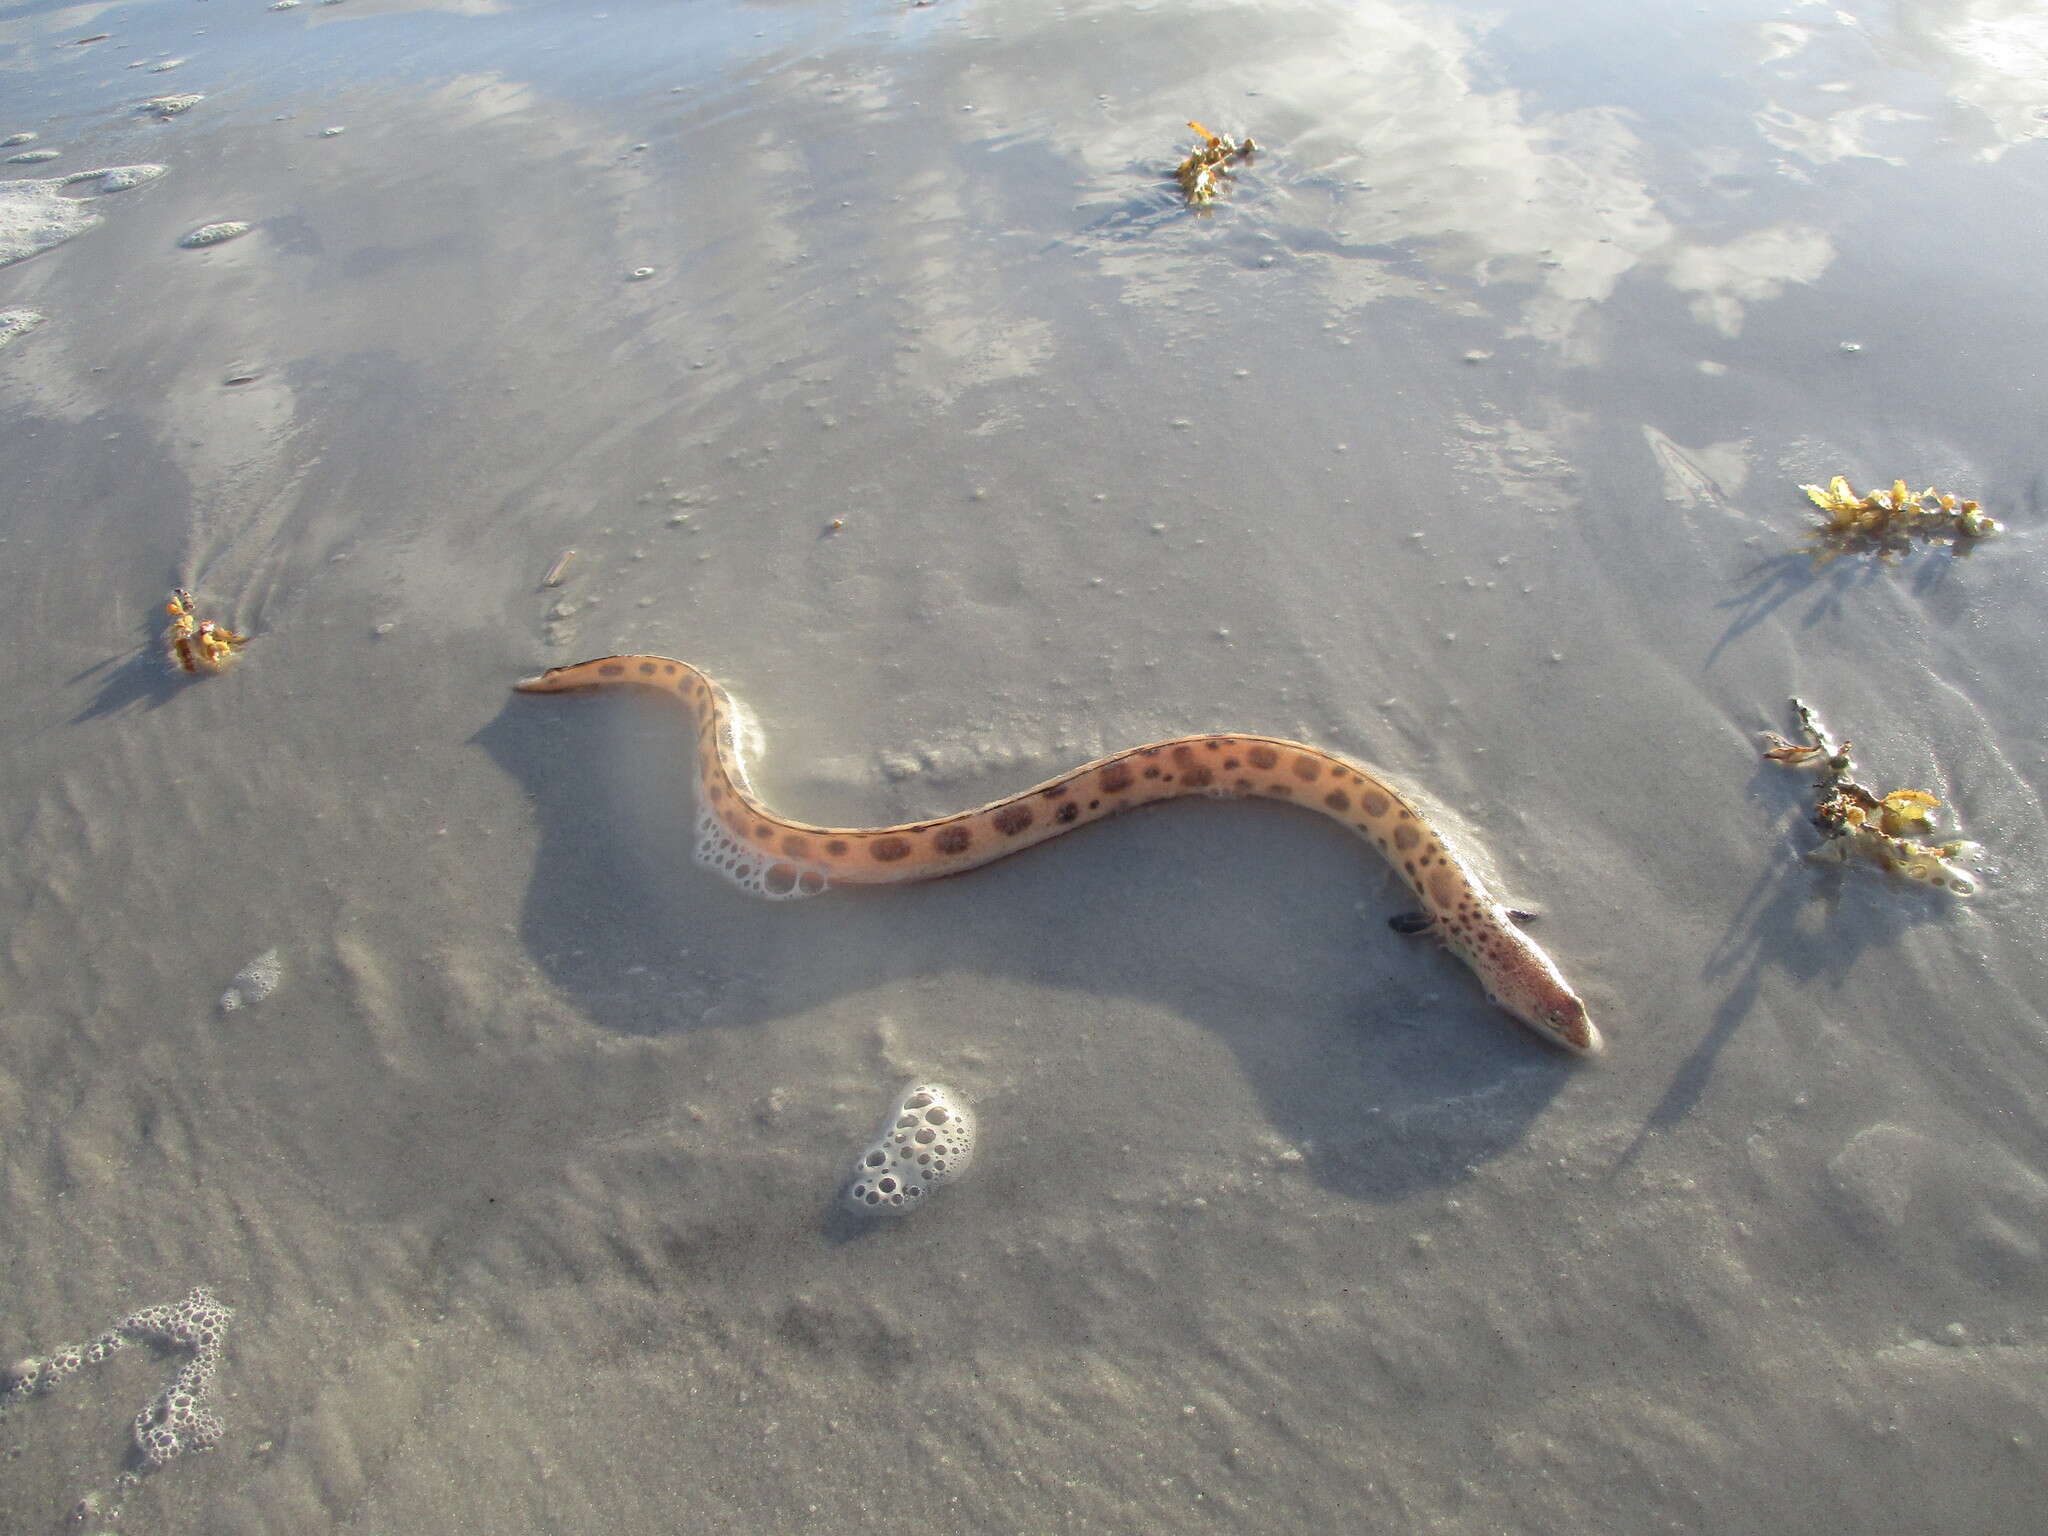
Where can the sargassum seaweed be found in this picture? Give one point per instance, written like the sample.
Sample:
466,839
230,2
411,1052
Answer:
1855,822
1885,523
1203,174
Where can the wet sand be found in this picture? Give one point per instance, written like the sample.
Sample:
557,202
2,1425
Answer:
1464,437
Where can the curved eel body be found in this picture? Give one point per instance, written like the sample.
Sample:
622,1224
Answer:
770,855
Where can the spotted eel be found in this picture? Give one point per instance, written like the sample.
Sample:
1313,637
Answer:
770,855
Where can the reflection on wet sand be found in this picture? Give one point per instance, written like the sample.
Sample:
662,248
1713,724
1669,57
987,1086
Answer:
943,426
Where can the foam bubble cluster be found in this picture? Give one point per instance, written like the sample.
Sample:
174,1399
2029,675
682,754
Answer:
928,1140
17,322
118,178
176,1420
755,872
34,217
253,982
214,234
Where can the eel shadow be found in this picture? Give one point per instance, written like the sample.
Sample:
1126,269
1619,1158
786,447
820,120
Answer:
1394,1078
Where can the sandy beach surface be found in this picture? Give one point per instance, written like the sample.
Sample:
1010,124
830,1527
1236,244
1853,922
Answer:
866,356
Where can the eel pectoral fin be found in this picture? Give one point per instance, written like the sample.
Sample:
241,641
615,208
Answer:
1411,922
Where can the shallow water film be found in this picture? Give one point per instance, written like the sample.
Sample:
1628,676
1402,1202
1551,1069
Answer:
401,1130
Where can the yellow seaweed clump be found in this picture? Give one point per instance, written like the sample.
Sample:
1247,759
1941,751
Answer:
1885,523
193,644
1203,174
1854,822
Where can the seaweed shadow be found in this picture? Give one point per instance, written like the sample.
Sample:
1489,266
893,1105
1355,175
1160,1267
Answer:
1778,580
1810,921
135,678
